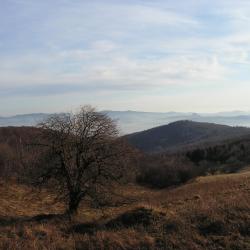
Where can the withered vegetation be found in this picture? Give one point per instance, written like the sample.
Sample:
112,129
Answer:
77,162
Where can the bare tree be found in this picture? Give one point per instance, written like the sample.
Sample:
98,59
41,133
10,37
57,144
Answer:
82,154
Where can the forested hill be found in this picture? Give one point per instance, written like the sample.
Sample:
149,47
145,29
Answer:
183,133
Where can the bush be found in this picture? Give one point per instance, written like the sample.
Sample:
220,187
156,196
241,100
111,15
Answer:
162,171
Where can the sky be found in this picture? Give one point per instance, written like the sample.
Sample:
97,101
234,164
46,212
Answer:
148,55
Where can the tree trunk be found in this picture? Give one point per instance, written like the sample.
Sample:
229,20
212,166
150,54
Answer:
74,201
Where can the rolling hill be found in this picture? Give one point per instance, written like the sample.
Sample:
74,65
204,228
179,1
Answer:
134,121
181,134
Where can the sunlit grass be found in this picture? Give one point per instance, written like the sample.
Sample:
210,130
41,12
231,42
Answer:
210,212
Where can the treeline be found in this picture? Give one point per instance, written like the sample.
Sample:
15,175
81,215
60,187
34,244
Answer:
155,170
15,151
225,158
164,170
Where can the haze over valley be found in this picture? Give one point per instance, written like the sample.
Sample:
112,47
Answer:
135,121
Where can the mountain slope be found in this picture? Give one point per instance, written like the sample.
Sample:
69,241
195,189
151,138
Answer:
183,133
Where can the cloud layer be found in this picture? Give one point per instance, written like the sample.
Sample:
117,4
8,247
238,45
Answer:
120,53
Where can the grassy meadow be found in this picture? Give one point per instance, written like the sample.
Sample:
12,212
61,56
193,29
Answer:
211,212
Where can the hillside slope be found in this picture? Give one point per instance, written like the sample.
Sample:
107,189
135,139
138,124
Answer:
192,216
183,133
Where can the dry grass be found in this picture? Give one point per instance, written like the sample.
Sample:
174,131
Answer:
209,213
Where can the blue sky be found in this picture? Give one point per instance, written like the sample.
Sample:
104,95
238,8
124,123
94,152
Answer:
151,55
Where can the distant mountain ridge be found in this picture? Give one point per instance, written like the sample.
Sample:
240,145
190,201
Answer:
183,134
23,120
134,121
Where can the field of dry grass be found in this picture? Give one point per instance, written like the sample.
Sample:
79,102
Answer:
210,212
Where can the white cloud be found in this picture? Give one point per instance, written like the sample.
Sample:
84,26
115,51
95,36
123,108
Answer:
125,46
115,70
149,15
